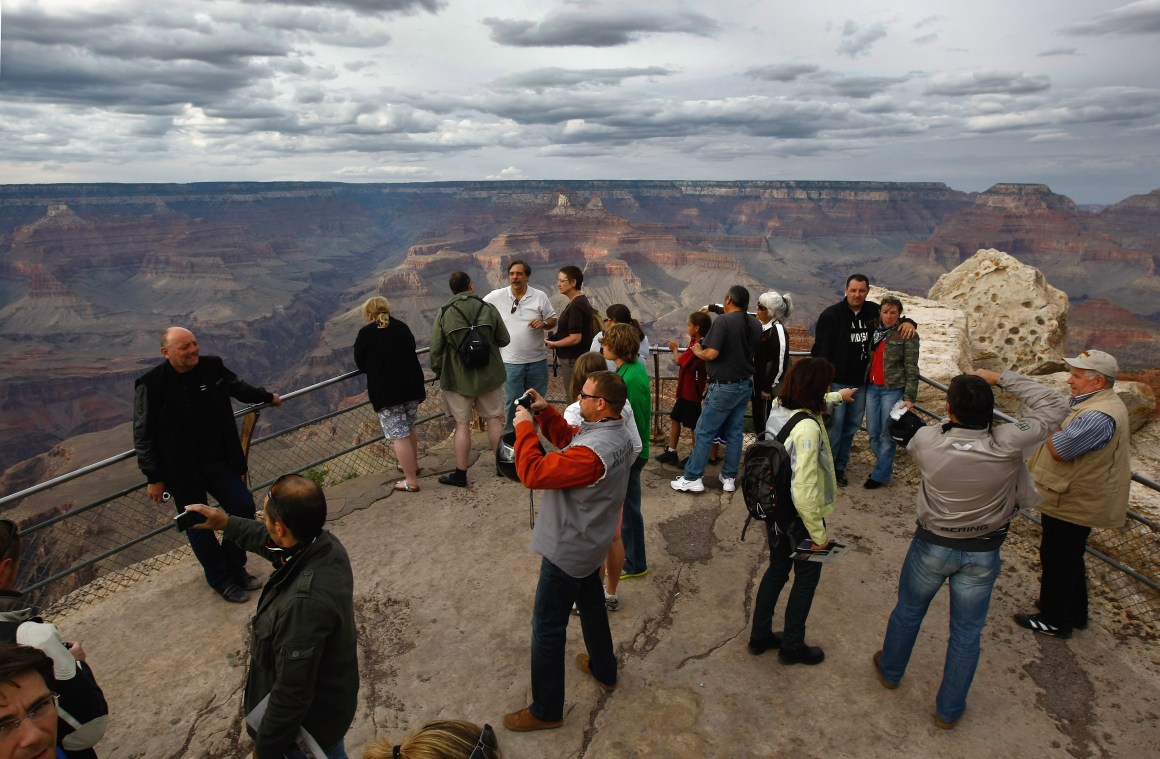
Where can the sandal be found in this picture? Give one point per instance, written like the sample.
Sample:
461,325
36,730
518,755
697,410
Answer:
402,486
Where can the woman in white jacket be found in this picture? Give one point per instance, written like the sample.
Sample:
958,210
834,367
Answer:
815,491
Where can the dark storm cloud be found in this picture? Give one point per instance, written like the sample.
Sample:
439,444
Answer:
596,30
540,79
1106,105
781,72
988,83
370,7
857,41
863,86
1142,17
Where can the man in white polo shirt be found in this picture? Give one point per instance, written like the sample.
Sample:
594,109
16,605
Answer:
526,313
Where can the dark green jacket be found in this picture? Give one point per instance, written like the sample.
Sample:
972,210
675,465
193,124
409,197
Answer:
900,364
302,650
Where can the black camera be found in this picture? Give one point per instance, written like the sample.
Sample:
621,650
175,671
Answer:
525,400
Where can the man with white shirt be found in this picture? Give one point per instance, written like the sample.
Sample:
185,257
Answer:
526,313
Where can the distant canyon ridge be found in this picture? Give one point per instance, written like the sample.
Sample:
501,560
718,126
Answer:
270,275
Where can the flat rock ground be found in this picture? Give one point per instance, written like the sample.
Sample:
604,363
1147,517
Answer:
444,587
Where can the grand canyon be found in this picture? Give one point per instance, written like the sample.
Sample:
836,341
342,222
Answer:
270,275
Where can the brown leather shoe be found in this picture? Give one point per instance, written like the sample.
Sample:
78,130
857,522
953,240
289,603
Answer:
582,663
524,721
878,671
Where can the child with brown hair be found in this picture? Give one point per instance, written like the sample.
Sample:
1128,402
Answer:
691,379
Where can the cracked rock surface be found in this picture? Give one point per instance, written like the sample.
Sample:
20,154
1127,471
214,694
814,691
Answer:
444,584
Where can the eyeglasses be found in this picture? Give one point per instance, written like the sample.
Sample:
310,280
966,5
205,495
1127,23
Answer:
592,397
40,712
484,747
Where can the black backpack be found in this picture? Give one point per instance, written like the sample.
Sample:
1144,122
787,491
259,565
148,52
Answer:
765,478
474,350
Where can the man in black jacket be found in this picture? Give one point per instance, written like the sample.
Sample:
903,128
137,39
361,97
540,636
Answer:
187,446
842,335
303,651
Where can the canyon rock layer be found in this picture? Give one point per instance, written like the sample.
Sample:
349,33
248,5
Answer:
269,275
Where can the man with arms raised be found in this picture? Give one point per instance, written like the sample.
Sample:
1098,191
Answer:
303,652
584,486
1083,472
187,446
27,704
973,482
526,312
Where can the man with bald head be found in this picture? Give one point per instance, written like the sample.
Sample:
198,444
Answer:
187,446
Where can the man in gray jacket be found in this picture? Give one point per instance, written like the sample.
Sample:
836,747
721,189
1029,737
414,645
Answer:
973,482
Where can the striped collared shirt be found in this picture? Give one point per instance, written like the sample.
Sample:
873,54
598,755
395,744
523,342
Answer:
1089,431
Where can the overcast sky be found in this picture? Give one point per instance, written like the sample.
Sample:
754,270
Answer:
1065,92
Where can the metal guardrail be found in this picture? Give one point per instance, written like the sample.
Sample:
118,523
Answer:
77,549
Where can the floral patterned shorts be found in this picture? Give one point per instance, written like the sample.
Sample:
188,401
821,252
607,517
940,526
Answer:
398,421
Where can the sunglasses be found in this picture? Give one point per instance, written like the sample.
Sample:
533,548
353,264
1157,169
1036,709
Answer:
591,397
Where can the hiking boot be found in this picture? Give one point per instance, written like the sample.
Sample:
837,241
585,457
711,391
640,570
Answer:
803,655
839,475
524,721
669,456
728,484
582,663
688,486
873,484
457,478
758,646
1036,623
878,671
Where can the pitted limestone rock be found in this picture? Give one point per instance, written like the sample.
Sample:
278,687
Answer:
1015,318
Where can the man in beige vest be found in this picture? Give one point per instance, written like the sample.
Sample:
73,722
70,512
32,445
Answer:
1083,472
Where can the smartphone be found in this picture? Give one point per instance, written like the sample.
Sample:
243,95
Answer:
187,519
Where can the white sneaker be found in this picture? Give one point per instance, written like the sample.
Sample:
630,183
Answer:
728,484
688,486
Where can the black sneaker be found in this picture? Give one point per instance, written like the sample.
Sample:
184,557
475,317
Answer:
234,594
669,456
803,655
1036,623
456,478
872,484
758,646
840,476
248,581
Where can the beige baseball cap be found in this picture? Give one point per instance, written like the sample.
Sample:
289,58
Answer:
1096,361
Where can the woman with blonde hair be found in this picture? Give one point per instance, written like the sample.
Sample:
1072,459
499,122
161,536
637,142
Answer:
385,351
441,739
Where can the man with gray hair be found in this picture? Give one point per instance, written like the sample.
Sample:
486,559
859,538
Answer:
1083,472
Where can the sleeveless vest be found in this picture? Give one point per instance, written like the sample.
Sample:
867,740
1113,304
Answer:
576,525
1091,489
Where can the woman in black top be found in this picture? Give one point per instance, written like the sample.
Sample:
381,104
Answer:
385,351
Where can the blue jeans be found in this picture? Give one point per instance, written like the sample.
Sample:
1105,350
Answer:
632,527
845,419
972,575
879,400
223,561
555,594
519,378
723,412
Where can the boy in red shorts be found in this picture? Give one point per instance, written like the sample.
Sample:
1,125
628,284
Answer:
691,380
